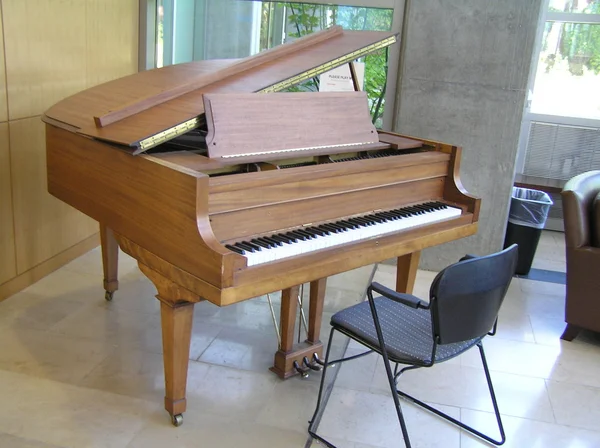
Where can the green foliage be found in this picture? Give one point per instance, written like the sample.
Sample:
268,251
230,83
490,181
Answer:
580,42
305,19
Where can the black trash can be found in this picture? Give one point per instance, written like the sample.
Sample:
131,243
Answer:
528,213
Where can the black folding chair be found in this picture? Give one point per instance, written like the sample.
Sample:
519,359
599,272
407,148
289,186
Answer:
464,301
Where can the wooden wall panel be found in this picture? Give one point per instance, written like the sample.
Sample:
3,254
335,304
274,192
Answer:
112,39
44,226
8,267
3,101
45,44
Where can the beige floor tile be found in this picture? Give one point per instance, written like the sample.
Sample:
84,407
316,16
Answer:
201,428
549,264
361,417
138,374
293,407
10,441
356,374
66,284
514,357
112,325
535,288
69,416
514,325
521,433
46,355
465,387
227,391
575,405
242,349
40,312
566,363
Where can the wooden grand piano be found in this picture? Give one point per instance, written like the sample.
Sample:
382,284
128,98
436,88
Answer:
224,194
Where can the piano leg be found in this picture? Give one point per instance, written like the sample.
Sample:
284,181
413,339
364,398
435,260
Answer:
110,261
289,352
406,272
176,314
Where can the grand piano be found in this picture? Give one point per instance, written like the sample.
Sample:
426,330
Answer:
225,188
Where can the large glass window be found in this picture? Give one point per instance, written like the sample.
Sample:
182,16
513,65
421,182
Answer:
190,30
567,81
560,135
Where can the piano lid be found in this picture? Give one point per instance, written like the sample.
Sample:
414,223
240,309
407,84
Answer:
151,107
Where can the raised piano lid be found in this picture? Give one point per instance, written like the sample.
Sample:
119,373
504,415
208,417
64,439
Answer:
148,108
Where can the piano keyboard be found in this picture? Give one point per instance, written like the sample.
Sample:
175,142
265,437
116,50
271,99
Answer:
312,238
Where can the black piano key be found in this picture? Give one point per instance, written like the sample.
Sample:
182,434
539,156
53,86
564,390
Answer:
314,231
244,246
262,244
273,241
252,245
297,235
305,233
357,222
235,249
331,228
285,238
328,228
347,224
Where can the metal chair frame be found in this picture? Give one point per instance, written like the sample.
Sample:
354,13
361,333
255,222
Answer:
394,376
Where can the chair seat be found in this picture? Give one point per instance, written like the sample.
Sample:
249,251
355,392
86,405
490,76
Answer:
407,331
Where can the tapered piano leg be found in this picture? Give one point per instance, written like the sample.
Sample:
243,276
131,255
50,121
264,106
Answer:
406,272
110,261
289,352
176,323
315,310
176,313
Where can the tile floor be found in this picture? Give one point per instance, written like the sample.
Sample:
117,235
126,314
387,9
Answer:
76,371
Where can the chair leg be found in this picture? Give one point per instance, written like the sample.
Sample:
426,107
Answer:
392,382
571,332
459,423
313,420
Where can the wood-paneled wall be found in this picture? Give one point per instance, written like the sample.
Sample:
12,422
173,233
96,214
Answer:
49,49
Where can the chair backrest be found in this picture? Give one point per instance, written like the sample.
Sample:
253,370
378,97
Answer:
466,296
578,197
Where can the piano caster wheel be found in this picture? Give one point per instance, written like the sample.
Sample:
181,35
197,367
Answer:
108,296
310,365
300,370
177,420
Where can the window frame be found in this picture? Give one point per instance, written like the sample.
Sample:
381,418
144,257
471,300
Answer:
147,42
528,116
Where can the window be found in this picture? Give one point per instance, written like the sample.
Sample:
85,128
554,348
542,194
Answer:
560,135
190,30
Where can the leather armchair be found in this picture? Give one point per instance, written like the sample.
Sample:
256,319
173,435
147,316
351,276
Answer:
581,213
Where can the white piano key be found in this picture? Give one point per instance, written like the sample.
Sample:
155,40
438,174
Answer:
266,255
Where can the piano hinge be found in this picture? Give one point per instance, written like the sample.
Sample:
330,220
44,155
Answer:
328,66
169,134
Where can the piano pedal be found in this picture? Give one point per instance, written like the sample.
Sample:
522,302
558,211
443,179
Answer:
311,365
302,371
318,360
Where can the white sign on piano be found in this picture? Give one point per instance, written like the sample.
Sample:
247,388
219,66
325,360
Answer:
340,80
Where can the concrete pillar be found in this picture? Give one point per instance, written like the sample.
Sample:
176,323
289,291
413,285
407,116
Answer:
463,81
